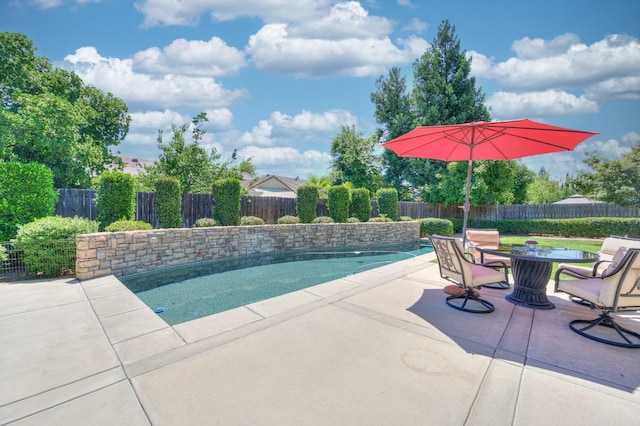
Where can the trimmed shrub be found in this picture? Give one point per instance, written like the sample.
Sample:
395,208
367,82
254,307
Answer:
361,204
388,203
169,202
323,219
380,219
251,221
353,219
338,201
442,227
405,219
49,244
587,227
204,222
128,225
288,220
26,193
307,202
226,201
116,198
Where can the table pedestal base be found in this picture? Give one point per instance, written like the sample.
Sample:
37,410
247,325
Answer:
530,283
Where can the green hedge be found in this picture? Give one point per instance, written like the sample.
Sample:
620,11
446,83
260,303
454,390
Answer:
49,244
338,202
587,227
251,221
226,201
169,202
388,203
128,225
116,198
442,227
288,220
361,204
307,202
26,193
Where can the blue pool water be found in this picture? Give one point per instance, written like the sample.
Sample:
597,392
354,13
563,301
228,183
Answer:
185,293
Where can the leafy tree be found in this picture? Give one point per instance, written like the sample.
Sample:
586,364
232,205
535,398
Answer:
543,190
614,181
354,161
190,163
50,116
116,198
443,93
322,183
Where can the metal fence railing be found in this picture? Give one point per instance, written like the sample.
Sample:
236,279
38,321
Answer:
37,259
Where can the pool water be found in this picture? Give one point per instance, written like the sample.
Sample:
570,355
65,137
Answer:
185,293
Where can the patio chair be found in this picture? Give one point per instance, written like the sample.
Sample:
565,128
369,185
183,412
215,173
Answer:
486,238
457,268
610,246
610,293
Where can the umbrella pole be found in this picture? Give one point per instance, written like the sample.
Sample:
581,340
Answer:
466,207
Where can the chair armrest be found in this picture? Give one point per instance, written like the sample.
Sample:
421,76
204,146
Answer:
597,265
570,272
495,264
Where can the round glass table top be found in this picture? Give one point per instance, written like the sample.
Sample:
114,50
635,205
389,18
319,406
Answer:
542,253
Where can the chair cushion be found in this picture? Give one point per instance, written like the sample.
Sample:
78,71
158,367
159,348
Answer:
587,289
481,275
615,261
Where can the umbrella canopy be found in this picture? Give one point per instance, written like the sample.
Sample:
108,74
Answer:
485,140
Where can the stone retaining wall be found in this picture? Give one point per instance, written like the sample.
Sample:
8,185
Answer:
125,253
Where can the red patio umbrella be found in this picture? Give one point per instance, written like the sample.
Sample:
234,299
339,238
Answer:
485,140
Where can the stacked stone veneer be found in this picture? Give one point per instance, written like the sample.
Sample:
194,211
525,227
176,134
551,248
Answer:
125,253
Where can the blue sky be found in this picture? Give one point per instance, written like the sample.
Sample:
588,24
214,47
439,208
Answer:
278,78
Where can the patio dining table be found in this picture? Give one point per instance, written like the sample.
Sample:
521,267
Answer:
531,267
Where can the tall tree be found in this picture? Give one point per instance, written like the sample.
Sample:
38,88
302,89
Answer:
443,93
614,181
50,116
353,160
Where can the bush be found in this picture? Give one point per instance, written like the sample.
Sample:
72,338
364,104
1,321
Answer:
353,219
338,202
49,244
442,227
307,202
361,204
587,227
388,202
204,222
128,225
251,221
226,201
288,220
116,199
26,193
323,219
169,202
380,219
405,219
3,253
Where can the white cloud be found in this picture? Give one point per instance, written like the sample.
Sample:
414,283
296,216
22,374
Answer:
274,49
631,138
564,62
538,104
188,12
166,91
417,26
213,58
481,65
289,161
610,148
623,88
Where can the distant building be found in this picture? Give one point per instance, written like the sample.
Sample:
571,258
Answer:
276,186
135,166
577,199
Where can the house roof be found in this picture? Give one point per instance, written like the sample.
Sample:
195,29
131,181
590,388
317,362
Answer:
135,166
276,186
577,199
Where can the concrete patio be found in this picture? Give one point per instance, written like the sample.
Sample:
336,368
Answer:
377,348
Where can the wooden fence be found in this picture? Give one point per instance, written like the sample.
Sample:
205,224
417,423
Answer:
80,202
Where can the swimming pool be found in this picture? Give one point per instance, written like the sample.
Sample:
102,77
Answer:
185,293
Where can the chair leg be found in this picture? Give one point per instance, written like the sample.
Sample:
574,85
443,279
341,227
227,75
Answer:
626,338
469,297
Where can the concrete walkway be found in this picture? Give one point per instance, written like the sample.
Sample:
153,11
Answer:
377,348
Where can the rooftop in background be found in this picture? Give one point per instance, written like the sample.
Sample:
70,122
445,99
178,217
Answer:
276,186
577,199
135,166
